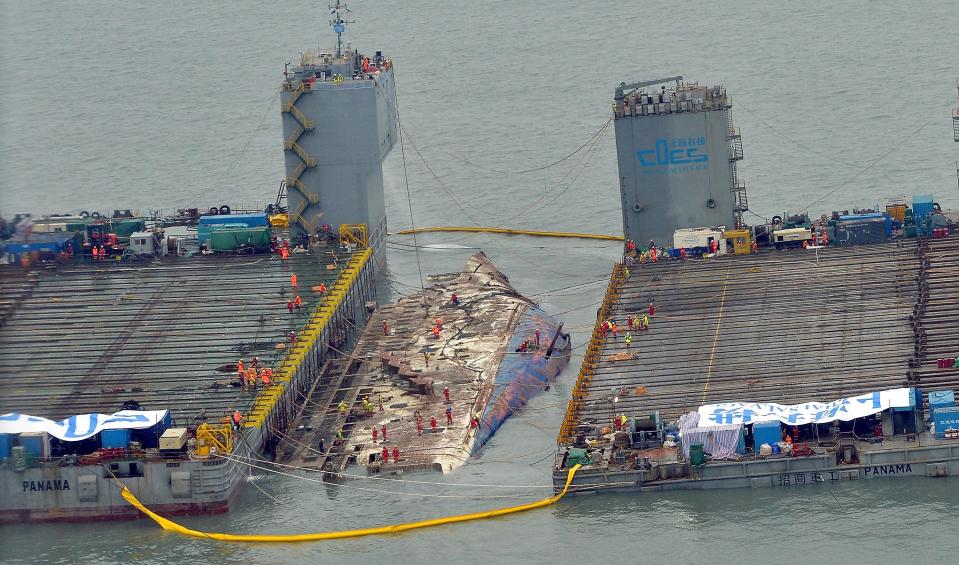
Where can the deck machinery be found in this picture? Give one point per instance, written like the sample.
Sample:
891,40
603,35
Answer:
677,150
339,124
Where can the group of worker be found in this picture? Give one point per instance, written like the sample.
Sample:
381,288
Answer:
620,422
248,375
283,248
530,342
437,328
638,323
99,253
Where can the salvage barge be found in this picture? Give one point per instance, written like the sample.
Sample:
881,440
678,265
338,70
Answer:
162,336
735,364
432,378
119,351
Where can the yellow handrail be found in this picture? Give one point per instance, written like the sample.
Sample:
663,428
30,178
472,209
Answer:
288,143
591,357
302,154
172,526
266,399
300,117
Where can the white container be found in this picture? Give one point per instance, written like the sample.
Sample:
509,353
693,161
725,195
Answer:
174,439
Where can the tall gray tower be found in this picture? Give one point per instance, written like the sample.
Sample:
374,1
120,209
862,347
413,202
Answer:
339,124
677,151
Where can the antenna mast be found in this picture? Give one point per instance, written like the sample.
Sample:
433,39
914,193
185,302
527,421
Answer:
339,24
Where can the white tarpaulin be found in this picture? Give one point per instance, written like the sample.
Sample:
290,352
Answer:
76,428
844,409
719,441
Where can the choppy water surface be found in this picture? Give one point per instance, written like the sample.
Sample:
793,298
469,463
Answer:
165,104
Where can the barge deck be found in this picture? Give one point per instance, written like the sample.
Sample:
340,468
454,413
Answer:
784,327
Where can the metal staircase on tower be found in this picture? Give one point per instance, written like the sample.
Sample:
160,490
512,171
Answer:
738,186
307,161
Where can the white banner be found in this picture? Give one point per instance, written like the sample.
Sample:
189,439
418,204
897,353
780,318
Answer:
76,428
844,409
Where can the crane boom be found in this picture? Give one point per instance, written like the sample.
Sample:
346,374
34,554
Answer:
620,90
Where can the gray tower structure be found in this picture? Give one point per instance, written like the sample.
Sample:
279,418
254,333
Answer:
677,151
339,124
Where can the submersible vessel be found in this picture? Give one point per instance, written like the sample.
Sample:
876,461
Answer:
797,352
100,321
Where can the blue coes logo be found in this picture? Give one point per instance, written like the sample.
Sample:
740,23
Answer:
675,151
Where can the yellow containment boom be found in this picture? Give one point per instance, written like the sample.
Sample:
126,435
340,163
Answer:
515,232
171,526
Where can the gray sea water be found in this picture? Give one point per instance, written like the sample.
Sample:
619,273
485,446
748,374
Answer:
163,104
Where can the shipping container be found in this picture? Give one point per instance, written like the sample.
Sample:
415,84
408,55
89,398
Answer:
149,438
766,432
897,212
226,239
922,206
939,399
246,220
173,439
946,419
115,439
36,444
7,441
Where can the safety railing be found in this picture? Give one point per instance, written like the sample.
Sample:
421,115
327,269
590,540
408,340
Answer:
288,143
592,357
301,117
294,96
297,173
290,107
313,197
266,400
303,155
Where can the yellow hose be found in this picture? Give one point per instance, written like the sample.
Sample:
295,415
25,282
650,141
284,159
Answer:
171,526
514,232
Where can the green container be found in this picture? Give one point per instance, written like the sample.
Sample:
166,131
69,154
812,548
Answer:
228,239
696,454
577,456
128,226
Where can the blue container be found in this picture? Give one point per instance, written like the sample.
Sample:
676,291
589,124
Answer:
946,418
244,220
36,444
941,399
149,438
766,432
922,206
207,224
7,441
113,439
915,399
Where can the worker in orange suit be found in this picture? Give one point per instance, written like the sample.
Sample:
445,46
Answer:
386,454
396,454
436,332
383,431
376,434
322,288
237,419
293,280
297,302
